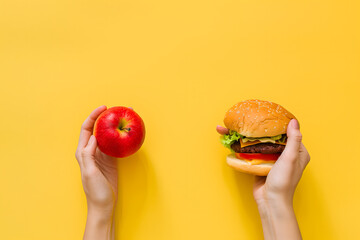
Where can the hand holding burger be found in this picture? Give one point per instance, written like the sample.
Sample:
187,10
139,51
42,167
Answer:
274,193
256,134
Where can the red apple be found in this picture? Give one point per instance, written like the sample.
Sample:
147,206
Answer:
119,131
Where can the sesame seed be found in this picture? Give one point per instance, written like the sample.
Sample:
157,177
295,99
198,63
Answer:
274,127
238,112
265,130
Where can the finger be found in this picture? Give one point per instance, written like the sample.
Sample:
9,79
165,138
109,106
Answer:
294,140
221,130
88,125
88,153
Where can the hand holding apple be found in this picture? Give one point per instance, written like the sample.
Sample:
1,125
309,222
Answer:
119,132
99,177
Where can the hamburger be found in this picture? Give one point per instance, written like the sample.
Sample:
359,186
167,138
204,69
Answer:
256,135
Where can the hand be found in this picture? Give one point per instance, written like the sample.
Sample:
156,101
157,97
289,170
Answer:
100,180
281,182
274,193
287,170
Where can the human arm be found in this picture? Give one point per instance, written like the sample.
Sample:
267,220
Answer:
100,179
274,193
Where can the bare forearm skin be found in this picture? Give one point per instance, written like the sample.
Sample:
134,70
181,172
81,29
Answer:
278,220
99,225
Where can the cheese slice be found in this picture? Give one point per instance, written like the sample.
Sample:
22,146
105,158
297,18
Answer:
249,143
257,161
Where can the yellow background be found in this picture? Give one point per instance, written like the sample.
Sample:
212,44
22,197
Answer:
180,65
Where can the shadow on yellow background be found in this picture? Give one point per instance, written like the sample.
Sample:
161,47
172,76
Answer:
137,181
316,214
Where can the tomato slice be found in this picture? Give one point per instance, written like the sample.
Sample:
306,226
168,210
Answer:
260,156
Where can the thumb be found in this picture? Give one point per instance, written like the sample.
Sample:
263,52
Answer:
89,152
294,139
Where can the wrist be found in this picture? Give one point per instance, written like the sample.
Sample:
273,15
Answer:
276,204
101,213
99,225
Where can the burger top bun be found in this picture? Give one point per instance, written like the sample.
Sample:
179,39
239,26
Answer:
262,169
257,118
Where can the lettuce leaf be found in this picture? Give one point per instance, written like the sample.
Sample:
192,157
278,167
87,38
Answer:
228,139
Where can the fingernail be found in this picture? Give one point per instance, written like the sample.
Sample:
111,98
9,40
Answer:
131,108
295,123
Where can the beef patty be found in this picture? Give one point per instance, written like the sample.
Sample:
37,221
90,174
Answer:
267,148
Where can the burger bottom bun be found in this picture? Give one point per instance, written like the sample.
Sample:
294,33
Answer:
262,169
